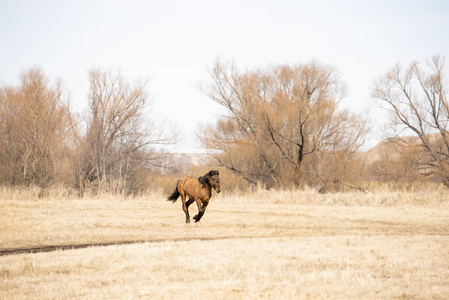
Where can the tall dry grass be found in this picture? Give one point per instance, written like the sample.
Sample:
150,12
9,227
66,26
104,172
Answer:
380,196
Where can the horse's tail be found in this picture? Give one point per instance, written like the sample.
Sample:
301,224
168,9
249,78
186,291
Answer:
174,196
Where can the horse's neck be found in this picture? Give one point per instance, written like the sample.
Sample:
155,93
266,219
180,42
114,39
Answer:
208,191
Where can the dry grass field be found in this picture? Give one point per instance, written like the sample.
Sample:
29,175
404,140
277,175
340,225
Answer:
267,244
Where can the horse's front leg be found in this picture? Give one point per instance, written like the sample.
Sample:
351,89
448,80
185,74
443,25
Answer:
201,209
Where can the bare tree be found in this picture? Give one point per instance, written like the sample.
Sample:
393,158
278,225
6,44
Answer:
34,132
417,100
277,118
119,135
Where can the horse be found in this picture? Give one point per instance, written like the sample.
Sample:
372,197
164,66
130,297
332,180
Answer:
198,190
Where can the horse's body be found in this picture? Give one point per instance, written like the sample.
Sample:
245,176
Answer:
198,190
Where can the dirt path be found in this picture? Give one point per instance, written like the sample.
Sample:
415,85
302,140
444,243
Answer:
52,248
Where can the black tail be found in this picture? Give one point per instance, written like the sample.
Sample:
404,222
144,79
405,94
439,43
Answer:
173,197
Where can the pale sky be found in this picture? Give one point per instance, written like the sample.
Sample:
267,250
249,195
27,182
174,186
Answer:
172,44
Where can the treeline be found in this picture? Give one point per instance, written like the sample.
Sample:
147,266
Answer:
284,127
43,143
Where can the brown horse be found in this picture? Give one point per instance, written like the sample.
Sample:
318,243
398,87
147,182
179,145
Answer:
198,190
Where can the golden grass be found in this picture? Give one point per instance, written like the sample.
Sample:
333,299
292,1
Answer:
340,267
278,244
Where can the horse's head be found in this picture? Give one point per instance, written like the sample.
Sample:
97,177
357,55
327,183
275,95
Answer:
214,180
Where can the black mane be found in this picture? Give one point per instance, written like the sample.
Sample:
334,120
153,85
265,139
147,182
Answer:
203,179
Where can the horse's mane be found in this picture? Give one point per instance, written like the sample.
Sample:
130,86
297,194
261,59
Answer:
203,179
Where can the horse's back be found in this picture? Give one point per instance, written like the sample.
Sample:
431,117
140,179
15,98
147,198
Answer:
190,186
188,180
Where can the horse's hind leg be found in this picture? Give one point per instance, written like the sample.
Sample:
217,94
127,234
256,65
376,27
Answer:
185,206
189,202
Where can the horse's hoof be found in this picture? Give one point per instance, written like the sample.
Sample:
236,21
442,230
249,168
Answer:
188,221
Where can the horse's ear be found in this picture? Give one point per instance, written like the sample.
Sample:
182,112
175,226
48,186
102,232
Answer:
213,172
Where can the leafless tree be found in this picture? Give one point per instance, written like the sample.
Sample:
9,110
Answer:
417,101
278,117
34,132
119,137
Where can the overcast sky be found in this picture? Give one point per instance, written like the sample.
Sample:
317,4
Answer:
174,43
